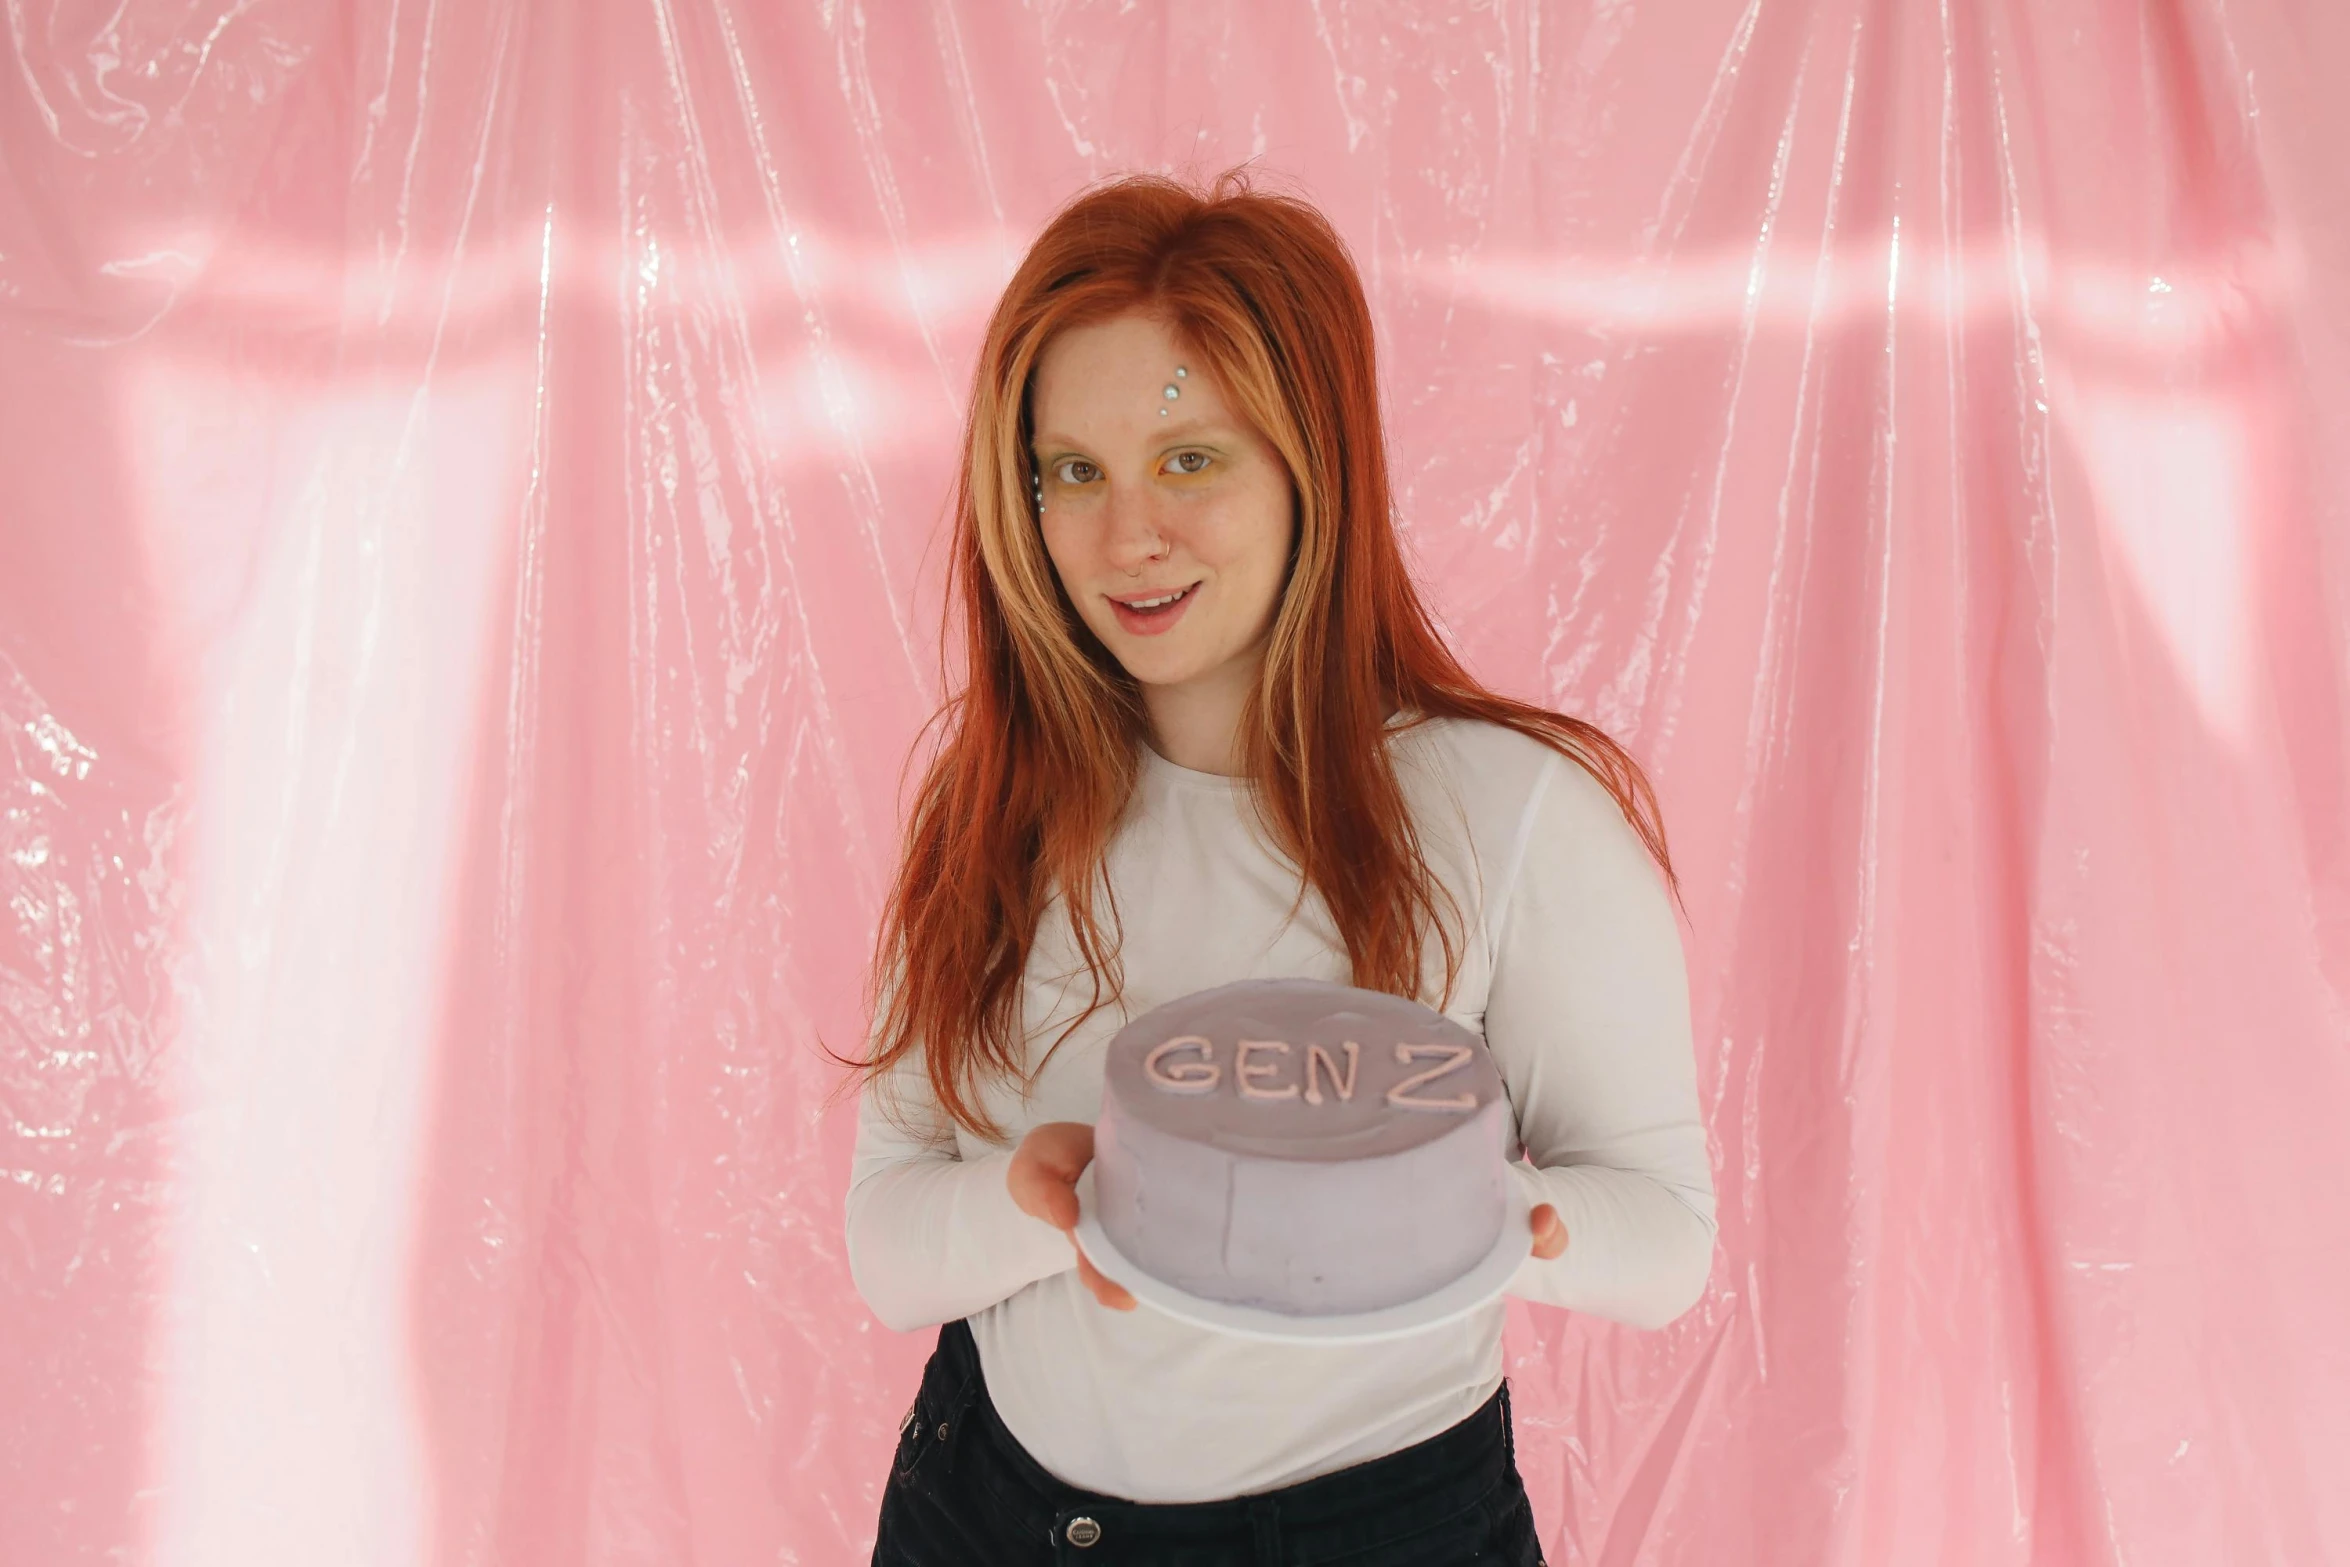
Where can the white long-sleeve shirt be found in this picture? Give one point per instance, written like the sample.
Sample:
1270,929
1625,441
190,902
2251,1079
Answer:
1574,974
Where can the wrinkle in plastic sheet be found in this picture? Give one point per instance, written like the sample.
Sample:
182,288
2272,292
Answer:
470,489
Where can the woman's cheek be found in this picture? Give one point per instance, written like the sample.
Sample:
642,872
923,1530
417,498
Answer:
1064,546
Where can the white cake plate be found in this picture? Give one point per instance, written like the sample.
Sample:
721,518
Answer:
1455,1300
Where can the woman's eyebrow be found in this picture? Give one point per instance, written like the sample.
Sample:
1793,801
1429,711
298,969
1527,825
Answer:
1176,427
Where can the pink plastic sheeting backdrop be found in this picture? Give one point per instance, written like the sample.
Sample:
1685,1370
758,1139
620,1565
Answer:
468,576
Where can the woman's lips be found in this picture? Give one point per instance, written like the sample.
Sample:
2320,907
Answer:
1150,622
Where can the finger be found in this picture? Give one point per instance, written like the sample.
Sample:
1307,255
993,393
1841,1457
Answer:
1105,1289
1046,1168
1065,1148
1042,1195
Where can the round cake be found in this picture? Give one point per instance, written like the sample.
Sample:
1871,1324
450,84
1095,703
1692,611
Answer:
1301,1147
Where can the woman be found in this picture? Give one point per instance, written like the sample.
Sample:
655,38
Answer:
1208,733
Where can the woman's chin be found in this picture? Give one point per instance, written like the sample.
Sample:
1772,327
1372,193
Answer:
1193,656
1151,668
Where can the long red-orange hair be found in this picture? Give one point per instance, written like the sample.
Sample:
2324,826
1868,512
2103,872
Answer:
1041,748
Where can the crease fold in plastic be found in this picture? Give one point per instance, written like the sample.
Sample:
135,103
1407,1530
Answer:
472,484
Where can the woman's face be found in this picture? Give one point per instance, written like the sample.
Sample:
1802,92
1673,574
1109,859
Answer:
1140,504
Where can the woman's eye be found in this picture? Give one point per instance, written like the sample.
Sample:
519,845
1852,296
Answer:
1076,470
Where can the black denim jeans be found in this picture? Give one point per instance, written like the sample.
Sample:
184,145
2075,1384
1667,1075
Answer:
962,1492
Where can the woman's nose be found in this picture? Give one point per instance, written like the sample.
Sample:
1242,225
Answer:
1135,537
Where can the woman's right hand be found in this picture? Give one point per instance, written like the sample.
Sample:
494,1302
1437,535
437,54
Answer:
1043,1180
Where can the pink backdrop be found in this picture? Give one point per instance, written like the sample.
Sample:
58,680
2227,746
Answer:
471,478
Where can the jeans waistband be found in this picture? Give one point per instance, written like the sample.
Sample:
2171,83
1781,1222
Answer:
1455,1469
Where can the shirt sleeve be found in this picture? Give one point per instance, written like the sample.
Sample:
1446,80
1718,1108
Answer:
933,1236
1588,1021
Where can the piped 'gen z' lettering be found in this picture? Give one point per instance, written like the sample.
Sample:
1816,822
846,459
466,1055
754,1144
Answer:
1187,1065
1455,1057
1251,1072
1184,1077
1316,1056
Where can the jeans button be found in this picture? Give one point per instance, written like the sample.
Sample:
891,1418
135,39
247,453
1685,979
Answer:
1083,1531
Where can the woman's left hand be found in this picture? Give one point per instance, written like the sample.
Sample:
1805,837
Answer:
1550,1232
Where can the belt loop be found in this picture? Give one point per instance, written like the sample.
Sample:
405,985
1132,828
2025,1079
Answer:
1264,1517
959,1413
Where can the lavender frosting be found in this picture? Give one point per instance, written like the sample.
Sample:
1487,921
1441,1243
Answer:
1207,1181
